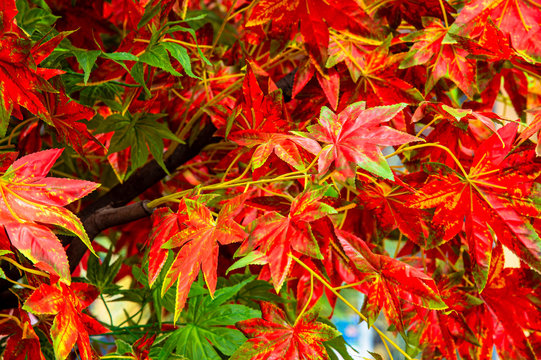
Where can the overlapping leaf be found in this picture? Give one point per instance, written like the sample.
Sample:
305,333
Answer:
315,17
31,206
352,138
198,244
434,46
388,282
23,342
273,337
518,18
482,200
70,324
209,326
276,235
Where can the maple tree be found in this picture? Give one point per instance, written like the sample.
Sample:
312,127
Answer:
230,167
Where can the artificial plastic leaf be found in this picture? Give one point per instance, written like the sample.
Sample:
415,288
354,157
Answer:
274,337
31,204
70,324
483,200
352,137
387,282
276,235
198,244
208,326
434,46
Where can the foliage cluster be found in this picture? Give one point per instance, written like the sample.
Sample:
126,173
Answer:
229,166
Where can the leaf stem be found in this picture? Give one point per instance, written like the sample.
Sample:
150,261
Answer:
23,268
307,301
446,149
444,13
335,292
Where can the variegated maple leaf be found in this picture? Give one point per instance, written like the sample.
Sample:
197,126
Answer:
388,282
484,201
435,47
31,207
315,16
70,324
517,18
198,246
273,337
277,235
352,138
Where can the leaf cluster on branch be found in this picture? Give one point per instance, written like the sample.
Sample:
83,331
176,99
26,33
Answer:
231,167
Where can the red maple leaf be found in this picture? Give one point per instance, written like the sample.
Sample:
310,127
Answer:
388,204
21,82
352,138
484,201
509,296
65,115
518,18
388,282
443,58
198,242
379,80
284,146
23,342
273,337
70,324
315,17
31,205
412,11
277,235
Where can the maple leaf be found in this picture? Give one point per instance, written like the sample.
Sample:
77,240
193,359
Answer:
284,146
435,47
70,324
380,82
518,18
21,82
273,337
346,49
31,203
412,11
484,202
388,204
208,327
315,16
198,244
23,342
509,295
65,114
276,235
259,111
352,138
388,281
